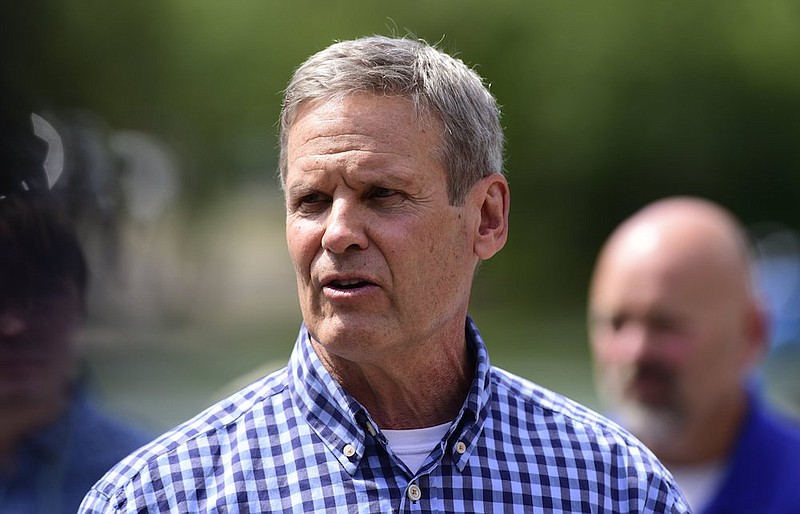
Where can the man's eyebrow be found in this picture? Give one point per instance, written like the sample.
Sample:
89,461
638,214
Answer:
296,190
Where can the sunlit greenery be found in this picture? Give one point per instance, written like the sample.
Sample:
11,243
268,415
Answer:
607,104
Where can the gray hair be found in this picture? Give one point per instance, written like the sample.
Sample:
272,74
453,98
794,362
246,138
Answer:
436,83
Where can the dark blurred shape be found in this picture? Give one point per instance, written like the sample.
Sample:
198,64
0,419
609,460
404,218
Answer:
54,444
21,157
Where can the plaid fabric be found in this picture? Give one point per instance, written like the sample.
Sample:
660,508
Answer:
296,442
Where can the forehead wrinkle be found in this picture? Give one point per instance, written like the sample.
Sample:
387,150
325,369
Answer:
373,142
358,164
328,123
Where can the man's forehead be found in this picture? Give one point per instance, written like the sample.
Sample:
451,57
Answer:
364,132
638,241
357,106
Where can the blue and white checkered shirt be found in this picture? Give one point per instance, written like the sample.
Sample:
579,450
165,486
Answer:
296,442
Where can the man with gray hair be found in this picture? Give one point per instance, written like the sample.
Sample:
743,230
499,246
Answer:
391,166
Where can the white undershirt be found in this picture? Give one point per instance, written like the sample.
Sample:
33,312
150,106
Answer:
698,483
413,446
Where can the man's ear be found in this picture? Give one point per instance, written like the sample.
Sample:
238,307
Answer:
757,333
493,199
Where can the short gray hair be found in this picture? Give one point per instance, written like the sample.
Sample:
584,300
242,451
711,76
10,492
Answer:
436,83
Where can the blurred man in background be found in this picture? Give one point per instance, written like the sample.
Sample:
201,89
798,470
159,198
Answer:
676,331
53,443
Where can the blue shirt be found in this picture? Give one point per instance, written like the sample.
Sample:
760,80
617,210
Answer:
296,442
763,474
55,467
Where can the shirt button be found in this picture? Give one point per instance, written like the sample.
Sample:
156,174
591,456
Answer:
414,492
349,450
461,447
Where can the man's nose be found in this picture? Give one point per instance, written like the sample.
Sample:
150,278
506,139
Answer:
12,322
344,226
636,341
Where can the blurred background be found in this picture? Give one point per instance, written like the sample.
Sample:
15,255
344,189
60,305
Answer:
162,116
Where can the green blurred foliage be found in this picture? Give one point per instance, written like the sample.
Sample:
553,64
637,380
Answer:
607,104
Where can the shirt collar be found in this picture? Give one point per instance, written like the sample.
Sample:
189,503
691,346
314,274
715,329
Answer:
326,406
472,417
342,423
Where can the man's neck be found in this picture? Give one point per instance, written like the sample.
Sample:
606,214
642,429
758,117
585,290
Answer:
708,440
408,391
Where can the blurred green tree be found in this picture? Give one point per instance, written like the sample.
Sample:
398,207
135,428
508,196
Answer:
607,105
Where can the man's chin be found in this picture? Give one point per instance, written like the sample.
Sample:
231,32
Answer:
657,425
343,338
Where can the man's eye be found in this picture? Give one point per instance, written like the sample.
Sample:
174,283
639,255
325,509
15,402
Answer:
310,202
382,192
385,193
617,322
664,324
310,198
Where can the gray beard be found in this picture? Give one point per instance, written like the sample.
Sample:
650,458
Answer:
660,428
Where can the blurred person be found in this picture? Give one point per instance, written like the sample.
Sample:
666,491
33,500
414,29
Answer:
54,444
676,330
391,166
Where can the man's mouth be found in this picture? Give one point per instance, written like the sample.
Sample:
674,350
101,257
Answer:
348,284
652,384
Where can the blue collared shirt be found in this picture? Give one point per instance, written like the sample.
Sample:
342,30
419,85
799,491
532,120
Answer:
763,473
55,467
296,442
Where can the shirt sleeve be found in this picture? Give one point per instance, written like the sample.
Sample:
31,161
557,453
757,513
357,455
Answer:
96,502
